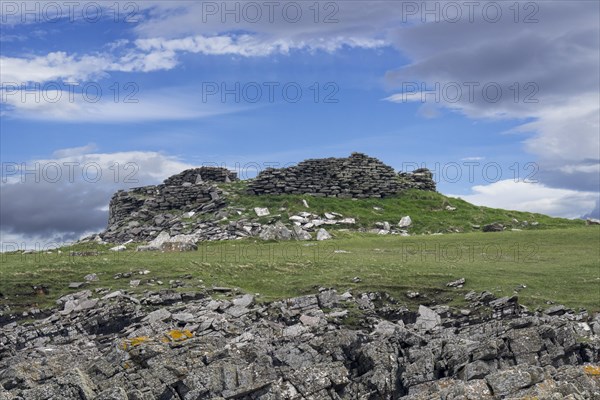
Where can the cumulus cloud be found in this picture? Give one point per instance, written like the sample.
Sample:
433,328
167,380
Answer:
532,197
62,198
546,72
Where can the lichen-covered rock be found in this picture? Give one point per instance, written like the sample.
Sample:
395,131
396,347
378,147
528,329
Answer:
172,345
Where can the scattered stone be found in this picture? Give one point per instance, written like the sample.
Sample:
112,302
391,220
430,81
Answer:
118,248
278,231
413,295
405,222
178,247
91,278
592,221
558,309
134,283
494,227
304,203
261,211
457,283
427,319
77,285
356,279
450,208
147,248
322,234
301,234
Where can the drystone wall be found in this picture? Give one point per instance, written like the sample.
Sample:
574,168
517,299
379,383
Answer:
141,213
357,176
202,174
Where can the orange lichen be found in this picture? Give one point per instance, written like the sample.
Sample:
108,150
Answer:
134,342
177,335
593,370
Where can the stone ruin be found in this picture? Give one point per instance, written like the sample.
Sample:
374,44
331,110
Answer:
202,174
357,176
141,214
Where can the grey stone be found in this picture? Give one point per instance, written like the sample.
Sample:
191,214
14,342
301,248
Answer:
322,234
405,222
427,319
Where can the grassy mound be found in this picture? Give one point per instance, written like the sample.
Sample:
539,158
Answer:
426,209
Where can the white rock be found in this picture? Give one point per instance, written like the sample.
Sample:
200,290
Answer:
427,319
159,315
329,216
261,211
348,221
322,234
450,208
309,321
91,278
244,301
112,295
298,218
162,237
301,234
405,222
118,248
304,203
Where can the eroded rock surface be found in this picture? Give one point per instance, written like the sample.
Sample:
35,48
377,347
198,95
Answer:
170,345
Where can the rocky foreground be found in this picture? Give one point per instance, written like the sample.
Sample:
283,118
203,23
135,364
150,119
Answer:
169,345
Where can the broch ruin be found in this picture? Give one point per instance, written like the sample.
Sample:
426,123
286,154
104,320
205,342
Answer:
173,208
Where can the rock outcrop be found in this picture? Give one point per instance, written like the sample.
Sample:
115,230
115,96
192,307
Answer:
357,176
189,346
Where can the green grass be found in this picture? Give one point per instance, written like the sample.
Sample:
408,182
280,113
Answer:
426,209
562,265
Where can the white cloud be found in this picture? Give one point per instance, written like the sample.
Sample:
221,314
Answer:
65,197
554,62
75,151
64,106
532,197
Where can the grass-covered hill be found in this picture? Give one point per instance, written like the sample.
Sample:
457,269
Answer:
428,211
552,260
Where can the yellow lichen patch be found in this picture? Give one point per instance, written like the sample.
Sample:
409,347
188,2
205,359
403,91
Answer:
593,370
177,335
134,342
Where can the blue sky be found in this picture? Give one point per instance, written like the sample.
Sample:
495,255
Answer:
364,62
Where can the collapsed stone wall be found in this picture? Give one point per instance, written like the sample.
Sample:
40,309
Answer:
357,176
202,174
141,213
421,179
